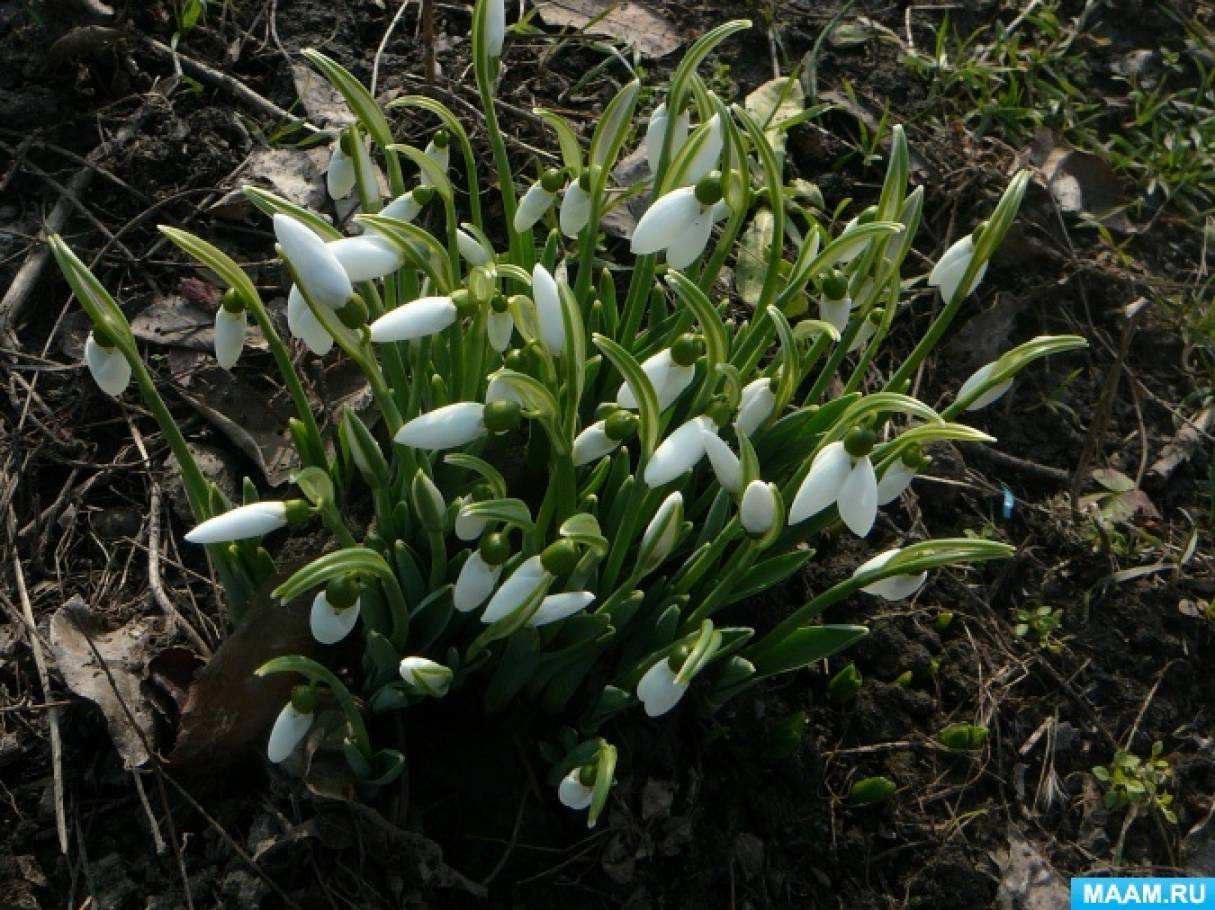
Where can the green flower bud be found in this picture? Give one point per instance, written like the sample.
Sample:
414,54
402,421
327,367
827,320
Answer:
708,189
297,510
495,547
719,411
515,359
679,657
342,592
354,313
687,348
942,620
464,303
963,737
560,558
844,685
499,304
441,139
835,286
872,790
303,699
423,194
587,774
621,425
859,441
346,143
230,302
102,338
587,177
552,179
502,416
912,456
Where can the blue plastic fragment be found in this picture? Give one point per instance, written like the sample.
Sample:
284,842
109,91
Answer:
1010,502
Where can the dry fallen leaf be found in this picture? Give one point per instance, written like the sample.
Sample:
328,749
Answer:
632,23
294,174
1079,182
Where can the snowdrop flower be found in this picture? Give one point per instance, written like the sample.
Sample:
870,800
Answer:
110,369
899,475
603,437
438,149
471,249
573,792
758,510
455,425
557,607
367,257
335,610
725,463
656,133
670,371
469,526
431,678
841,475
980,377
523,584
708,155
679,223
679,452
575,206
408,206
230,330
662,533
756,405
835,306
548,309
291,725
658,690
495,27
895,587
314,264
254,520
305,326
947,274
419,319
538,199
340,176
474,583
500,325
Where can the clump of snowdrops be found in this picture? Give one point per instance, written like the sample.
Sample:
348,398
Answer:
578,461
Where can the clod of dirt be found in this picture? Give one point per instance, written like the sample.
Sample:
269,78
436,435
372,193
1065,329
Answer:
652,34
126,652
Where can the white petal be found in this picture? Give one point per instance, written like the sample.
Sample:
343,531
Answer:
758,509
947,273
830,468
253,520
499,328
330,625
289,728
707,157
305,326
725,463
495,26
109,368
535,202
666,522
368,257
592,444
526,581
423,317
677,453
720,211
444,428
426,674
548,309
472,251
575,209
230,331
655,135
557,607
836,312
669,379
895,587
657,689
499,390
404,208
315,266
573,793
755,406
340,177
440,156
978,378
897,478
687,246
857,500
665,220
469,526
475,583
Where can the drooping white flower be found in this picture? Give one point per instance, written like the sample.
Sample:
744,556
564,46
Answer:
535,202
290,727
894,587
548,309
498,328
708,155
314,264
557,607
978,378
573,793
241,523
472,250
679,452
836,478
495,27
469,526
500,390
756,405
474,583
305,326
669,379
109,368
725,463
447,427
758,510
230,329
677,223
405,207
656,132
329,624
575,209
340,176
524,583
593,443
947,274
835,312
897,478
439,154
431,677
367,257
662,533
424,316
658,689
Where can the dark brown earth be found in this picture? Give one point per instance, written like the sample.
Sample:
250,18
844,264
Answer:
705,813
